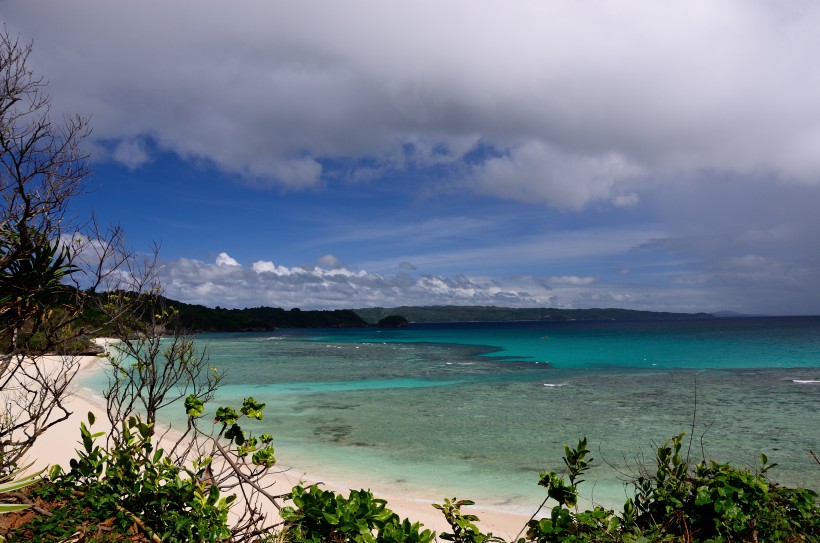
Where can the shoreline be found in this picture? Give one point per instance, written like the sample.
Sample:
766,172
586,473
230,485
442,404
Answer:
58,446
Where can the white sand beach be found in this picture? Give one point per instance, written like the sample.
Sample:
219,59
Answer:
58,446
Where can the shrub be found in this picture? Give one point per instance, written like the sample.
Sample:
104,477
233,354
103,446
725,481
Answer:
321,515
133,485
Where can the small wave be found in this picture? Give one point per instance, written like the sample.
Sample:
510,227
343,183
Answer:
806,381
555,385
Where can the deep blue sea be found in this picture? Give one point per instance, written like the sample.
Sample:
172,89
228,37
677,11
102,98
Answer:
476,410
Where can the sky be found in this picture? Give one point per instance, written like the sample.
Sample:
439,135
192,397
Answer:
537,153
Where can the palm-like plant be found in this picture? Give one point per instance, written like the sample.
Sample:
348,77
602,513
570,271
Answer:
33,279
9,484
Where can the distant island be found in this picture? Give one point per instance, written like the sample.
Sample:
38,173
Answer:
200,318
477,313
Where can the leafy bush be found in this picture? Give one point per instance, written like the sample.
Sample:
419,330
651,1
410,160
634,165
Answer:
718,502
564,524
710,502
321,515
133,485
464,529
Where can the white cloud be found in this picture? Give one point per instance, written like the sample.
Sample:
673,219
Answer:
224,260
131,153
572,280
197,282
266,266
329,261
536,172
584,96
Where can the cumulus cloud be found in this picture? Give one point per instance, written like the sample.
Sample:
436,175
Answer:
536,172
224,260
576,98
264,283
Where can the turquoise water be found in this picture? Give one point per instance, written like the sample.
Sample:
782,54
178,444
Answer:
477,410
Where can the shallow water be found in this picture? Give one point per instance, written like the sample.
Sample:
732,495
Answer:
477,410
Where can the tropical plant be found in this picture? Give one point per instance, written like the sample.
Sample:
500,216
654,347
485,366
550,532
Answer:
132,486
718,502
463,525
13,482
319,516
710,502
566,522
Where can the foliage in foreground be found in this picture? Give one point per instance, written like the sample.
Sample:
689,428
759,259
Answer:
136,485
709,502
131,486
132,489
320,515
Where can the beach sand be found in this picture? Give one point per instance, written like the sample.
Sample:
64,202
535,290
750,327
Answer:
58,446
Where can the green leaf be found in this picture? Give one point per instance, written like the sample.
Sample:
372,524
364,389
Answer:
226,416
194,406
235,434
253,409
10,507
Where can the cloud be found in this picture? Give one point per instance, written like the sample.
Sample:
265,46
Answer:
227,284
536,172
749,243
572,280
578,99
131,153
234,286
329,261
266,266
694,124
224,260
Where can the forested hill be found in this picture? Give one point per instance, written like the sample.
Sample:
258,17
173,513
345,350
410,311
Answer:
206,319
453,313
199,318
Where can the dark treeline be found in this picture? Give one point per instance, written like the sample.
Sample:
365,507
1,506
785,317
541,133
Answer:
205,319
199,318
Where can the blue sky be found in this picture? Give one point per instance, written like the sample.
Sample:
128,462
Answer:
322,155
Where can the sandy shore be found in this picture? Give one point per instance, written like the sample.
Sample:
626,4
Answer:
58,446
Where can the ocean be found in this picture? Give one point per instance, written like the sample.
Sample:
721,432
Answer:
477,410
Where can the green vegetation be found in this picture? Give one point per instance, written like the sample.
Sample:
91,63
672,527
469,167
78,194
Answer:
393,321
205,319
131,485
199,318
320,515
708,502
457,313
111,492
